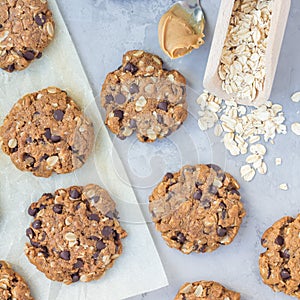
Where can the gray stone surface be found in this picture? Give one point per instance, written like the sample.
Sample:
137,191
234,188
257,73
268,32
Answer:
102,31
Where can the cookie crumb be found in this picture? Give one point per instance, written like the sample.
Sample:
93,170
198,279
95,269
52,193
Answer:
278,161
296,128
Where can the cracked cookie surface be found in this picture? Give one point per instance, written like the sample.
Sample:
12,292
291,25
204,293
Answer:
12,285
46,132
206,290
197,209
279,264
26,29
144,98
75,235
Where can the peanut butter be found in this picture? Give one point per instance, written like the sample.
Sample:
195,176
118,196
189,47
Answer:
178,33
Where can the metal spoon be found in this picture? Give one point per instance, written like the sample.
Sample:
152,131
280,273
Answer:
194,9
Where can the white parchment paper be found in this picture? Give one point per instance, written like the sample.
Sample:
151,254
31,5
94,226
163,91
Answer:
139,268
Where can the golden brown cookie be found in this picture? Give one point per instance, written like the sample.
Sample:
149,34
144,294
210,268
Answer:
26,29
12,285
279,264
206,290
75,235
46,132
144,98
197,209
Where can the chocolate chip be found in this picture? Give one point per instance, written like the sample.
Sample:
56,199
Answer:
119,114
181,238
40,54
206,203
263,242
163,105
35,244
134,88
100,245
213,189
29,55
94,217
235,192
160,119
37,224
130,68
285,254
44,157
44,251
214,167
78,264
285,274
279,240
107,231
203,248
32,211
13,150
40,19
96,255
55,138
47,133
74,194
29,140
58,208
93,238
132,123
116,236
75,277
109,99
11,68
120,98
65,255
197,195
28,159
1,26
58,115
221,232
169,175
30,233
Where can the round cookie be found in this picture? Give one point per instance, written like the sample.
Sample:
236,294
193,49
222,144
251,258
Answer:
46,132
12,285
197,209
75,235
206,290
26,29
279,264
144,98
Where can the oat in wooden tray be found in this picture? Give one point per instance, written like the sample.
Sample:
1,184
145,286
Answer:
75,235
26,29
46,132
243,64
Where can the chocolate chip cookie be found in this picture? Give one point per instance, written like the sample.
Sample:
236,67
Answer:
144,98
279,264
26,29
46,132
197,209
206,290
12,285
75,235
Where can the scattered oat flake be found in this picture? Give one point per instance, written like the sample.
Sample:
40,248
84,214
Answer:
283,187
296,97
296,128
243,130
278,161
247,172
